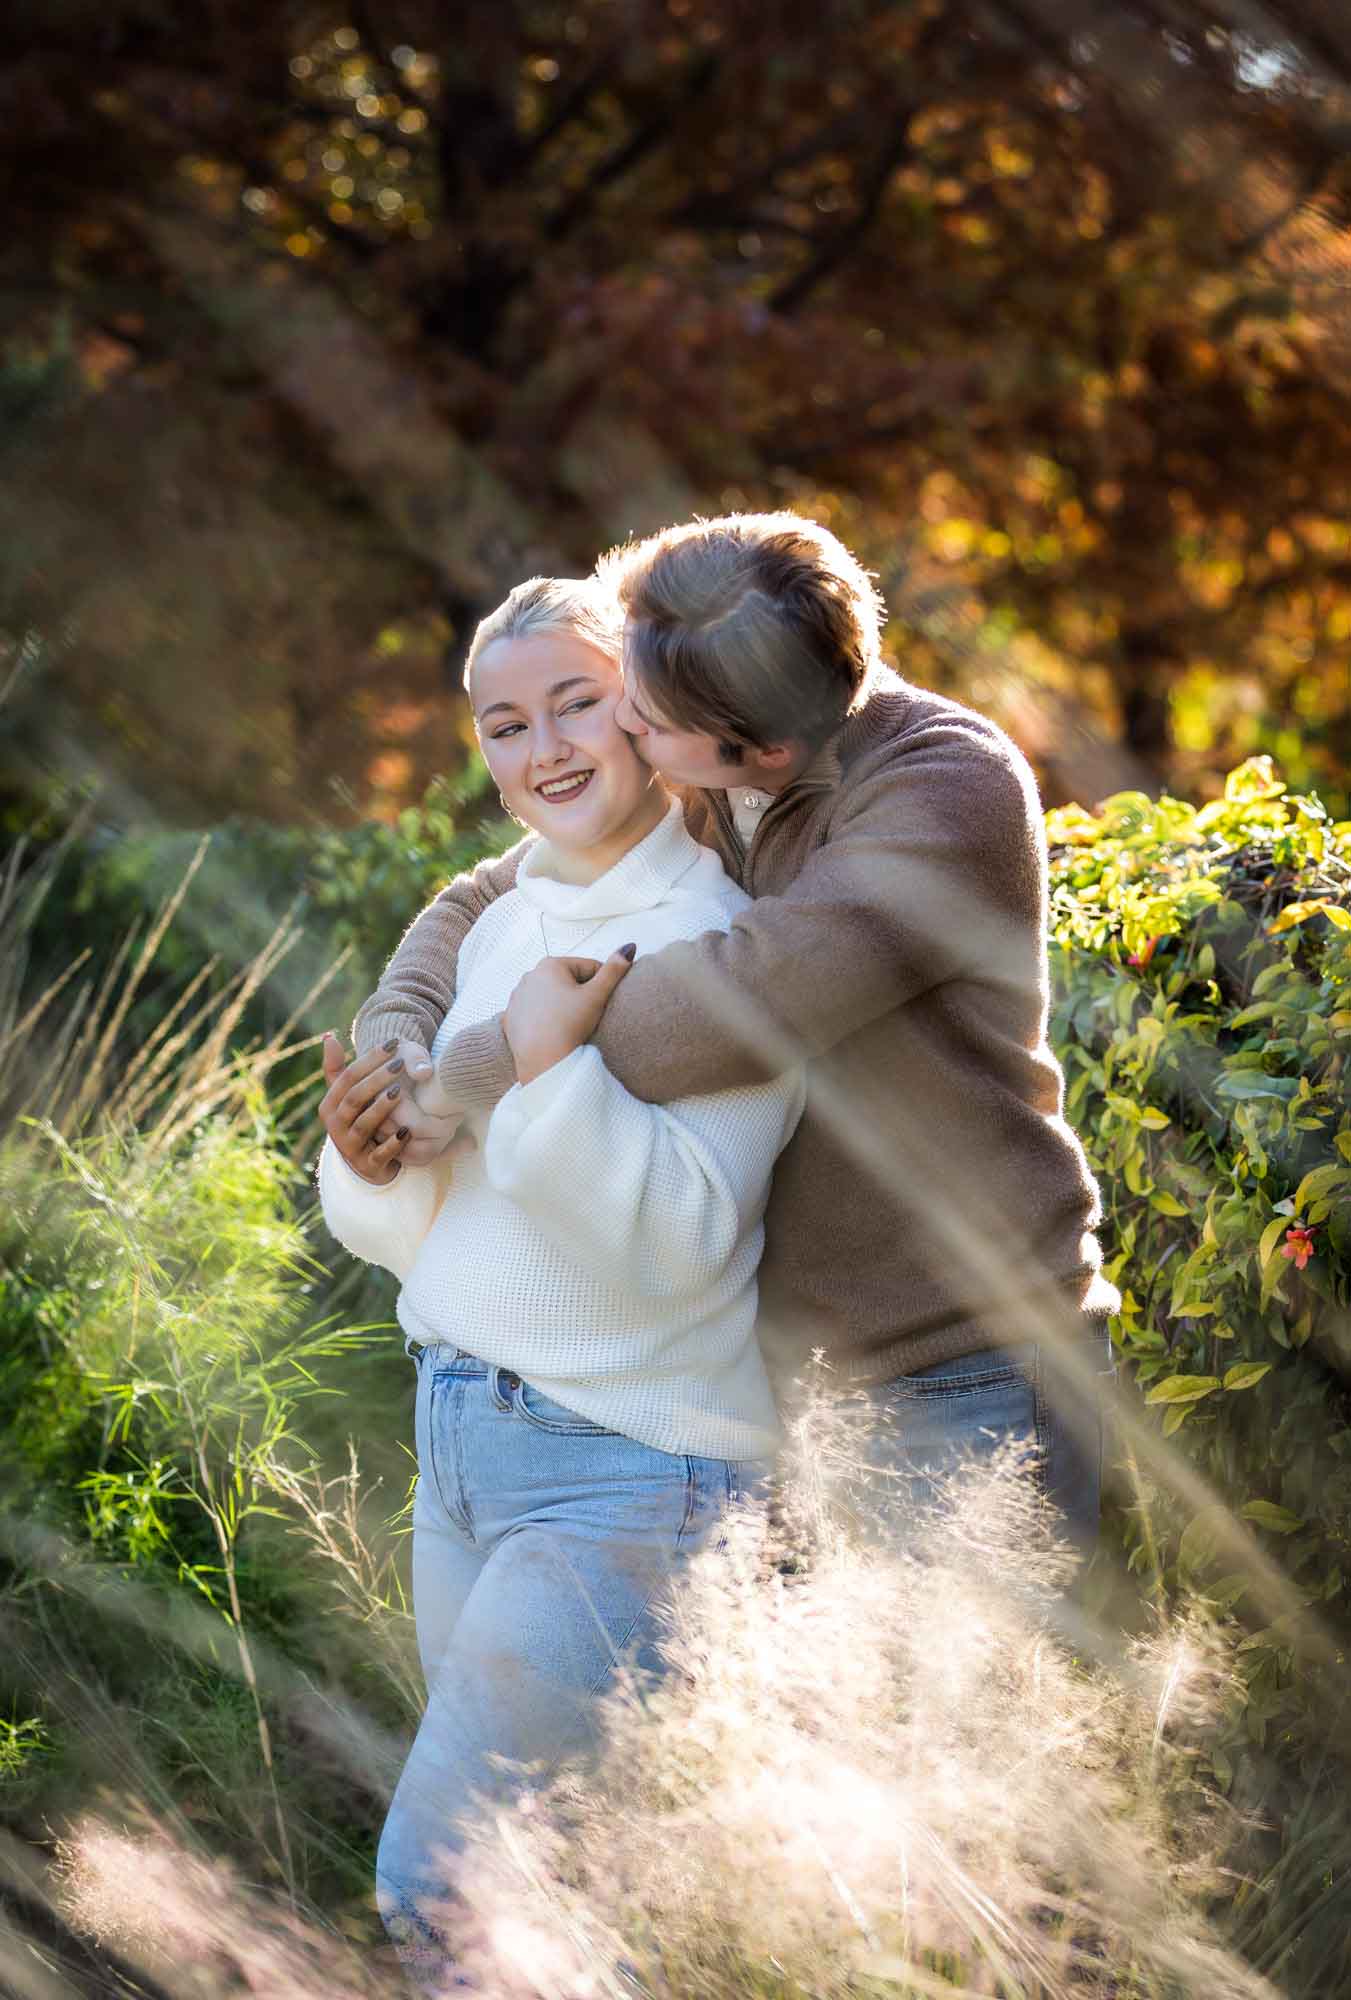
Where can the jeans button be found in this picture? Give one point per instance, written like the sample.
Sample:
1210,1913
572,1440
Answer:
513,1382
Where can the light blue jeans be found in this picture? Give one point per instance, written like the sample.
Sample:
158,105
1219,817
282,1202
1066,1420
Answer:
940,1418
542,1545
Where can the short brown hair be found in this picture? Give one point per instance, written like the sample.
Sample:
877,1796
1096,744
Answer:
755,628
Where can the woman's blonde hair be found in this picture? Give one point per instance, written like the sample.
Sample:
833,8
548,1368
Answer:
754,628
579,605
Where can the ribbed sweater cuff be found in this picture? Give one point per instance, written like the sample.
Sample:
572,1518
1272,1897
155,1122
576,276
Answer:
387,1024
476,1067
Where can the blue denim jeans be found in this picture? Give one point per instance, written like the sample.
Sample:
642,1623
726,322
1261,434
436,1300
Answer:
542,1545
943,1417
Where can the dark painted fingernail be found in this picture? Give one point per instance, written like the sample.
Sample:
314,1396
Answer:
390,1047
628,951
397,1064
393,1090
401,1132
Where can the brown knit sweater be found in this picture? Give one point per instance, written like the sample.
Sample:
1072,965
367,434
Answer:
933,1201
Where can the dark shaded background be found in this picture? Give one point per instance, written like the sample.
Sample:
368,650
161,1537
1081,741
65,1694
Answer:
320,328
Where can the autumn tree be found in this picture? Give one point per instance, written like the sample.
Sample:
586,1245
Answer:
322,327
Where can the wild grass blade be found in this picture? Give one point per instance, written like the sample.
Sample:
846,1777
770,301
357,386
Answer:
93,1082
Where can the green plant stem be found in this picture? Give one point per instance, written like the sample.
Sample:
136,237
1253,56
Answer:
225,1542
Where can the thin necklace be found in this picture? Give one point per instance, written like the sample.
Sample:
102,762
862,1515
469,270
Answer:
572,951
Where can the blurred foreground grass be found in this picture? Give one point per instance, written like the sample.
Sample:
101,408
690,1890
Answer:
868,1775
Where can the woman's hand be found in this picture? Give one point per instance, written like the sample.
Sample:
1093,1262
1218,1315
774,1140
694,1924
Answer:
558,1006
362,1108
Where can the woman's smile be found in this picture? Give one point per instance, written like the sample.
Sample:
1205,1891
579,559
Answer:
545,710
558,791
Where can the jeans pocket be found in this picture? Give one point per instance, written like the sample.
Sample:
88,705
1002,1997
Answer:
944,1419
998,1378
547,1415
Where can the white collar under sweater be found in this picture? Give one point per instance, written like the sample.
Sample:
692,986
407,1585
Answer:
667,862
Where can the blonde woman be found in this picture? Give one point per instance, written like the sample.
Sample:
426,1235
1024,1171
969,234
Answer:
579,1291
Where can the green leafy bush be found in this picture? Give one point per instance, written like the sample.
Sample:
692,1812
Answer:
1202,964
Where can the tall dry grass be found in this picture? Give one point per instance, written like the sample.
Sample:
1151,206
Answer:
890,1767
64,1059
868,1772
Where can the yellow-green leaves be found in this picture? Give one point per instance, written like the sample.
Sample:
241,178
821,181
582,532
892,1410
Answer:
1071,825
1246,1374
1321,1182
1270,1240
1271,1262
1254,779
1299,913
1182,1389
1266,1514
1164,1203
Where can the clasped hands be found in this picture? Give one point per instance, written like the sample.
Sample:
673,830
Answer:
388,1109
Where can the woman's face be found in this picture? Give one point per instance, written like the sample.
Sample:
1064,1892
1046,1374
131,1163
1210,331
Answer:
544,708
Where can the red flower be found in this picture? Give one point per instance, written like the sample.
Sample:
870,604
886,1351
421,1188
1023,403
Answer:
1298,1245
1145,953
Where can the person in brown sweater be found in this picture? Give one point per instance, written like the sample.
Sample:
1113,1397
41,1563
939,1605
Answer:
930,1231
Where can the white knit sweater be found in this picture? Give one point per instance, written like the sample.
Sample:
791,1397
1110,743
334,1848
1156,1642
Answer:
602,1248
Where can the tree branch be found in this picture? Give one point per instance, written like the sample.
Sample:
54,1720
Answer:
627,154
832,253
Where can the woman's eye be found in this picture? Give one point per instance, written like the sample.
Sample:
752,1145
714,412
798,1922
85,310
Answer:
572,708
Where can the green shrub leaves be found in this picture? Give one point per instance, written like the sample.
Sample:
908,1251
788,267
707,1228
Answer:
1202,966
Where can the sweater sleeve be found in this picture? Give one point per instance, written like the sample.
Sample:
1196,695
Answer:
418,985
652,1198
384,1224
933,868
